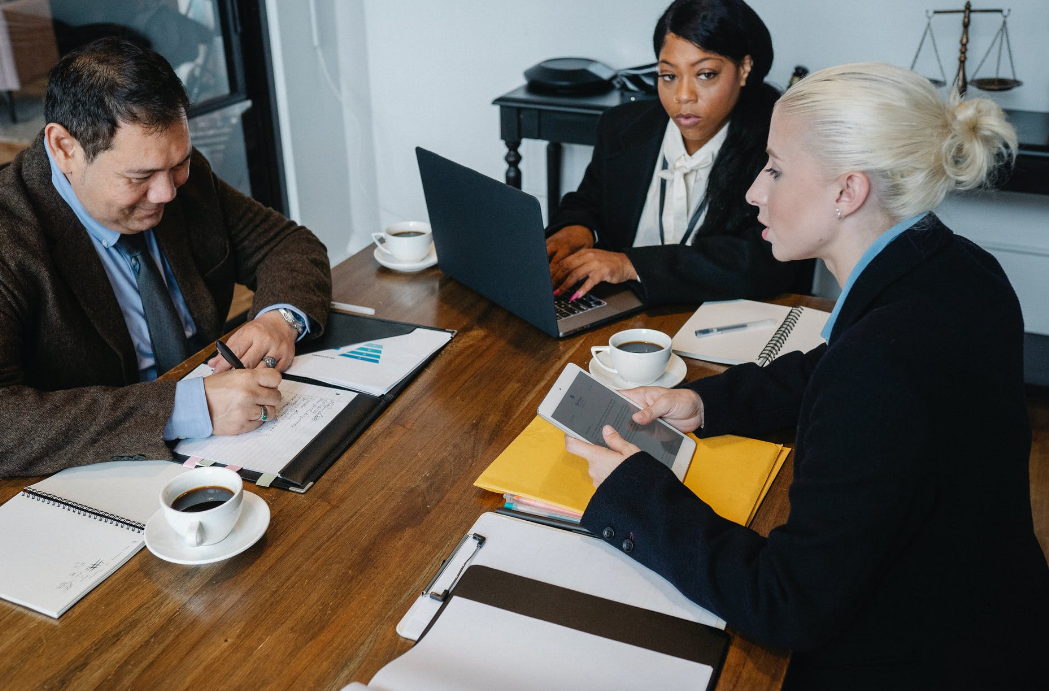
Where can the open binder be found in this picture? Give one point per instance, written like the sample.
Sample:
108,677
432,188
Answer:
337,436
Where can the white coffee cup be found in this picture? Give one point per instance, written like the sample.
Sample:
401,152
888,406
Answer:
639,356
203,527
406,242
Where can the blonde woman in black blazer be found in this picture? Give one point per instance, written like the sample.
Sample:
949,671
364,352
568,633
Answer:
909,559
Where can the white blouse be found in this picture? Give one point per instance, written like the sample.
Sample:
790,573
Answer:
686,184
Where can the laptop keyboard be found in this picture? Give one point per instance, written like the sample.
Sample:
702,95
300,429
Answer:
570,309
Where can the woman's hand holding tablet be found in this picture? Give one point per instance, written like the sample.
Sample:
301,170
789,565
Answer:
582,407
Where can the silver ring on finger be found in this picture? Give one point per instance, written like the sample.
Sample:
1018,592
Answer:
270,361
264,415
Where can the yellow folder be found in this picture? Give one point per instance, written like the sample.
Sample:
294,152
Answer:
731,474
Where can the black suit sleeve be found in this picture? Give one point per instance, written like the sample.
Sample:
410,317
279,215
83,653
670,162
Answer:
584,206
714,267
858,496
754,401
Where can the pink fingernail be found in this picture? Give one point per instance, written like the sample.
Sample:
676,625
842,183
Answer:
557,293
574,297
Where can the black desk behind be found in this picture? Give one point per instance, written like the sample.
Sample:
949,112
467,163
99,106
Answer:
558,119
1031,173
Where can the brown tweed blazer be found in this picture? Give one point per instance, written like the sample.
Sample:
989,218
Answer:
69,389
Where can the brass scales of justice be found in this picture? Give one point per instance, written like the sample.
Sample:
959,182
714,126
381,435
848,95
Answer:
1000,41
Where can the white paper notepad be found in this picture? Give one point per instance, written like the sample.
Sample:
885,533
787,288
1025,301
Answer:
789,329
64,535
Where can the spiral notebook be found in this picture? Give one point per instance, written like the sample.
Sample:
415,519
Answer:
787,329
64,535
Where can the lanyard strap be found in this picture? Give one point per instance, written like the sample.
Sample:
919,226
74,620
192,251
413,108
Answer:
692,222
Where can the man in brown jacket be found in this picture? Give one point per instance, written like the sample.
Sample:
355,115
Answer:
119,249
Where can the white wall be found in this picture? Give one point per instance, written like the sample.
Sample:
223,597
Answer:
424,73
436,66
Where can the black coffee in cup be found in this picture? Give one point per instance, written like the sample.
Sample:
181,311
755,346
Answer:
408,233
640,347
201,499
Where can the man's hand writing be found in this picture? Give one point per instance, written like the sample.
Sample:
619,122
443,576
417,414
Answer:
267,334
235,399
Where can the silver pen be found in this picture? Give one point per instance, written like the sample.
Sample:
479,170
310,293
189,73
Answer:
715,330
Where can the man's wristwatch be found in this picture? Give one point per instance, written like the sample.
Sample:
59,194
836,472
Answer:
293,319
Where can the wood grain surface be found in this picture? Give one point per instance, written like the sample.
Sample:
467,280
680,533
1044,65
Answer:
314,604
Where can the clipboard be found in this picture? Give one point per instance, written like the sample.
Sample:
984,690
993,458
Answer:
307,467
558,556
539,633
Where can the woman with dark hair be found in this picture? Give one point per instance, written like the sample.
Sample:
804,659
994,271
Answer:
662,202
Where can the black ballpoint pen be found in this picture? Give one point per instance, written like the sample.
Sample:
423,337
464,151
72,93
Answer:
228,355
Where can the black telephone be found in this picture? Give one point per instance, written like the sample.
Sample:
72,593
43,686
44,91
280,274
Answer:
570,76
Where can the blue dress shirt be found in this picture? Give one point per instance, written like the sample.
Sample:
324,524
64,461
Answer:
873,251
189,417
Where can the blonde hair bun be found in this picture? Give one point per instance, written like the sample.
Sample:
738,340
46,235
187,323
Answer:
979,136
891,124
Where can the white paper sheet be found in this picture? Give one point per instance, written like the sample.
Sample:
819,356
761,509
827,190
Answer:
305,411
473,646
374,367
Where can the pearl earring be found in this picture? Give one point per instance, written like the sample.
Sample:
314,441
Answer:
838,211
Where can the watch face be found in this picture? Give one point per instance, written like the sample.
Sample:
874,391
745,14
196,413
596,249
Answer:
292,319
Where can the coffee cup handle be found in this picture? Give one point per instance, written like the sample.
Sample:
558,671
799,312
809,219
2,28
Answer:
194,534
594,350
380,242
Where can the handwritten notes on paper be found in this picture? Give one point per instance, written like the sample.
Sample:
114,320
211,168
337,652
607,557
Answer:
305,410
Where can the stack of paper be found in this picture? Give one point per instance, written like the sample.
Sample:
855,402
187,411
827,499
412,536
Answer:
373,367
731,474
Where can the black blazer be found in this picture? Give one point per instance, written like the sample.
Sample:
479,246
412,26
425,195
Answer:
909,559
728,258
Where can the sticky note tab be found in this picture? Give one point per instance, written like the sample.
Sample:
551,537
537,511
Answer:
266,479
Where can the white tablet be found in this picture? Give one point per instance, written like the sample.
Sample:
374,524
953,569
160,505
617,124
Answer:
581,406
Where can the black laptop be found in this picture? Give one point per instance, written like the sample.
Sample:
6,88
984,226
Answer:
489,237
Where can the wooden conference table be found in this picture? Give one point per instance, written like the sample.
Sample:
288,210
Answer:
314,604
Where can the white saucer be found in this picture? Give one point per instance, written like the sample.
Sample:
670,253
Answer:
387,260
672,376
169,546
